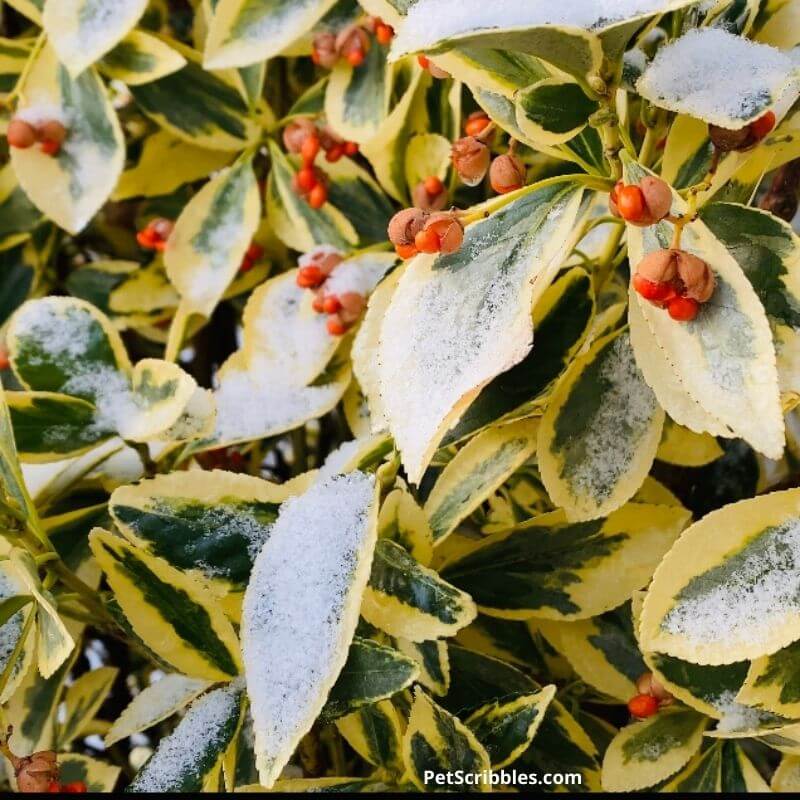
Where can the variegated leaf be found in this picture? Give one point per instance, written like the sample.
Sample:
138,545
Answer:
719,600
71,186
600,433
473,312
301,609
81,31
566,570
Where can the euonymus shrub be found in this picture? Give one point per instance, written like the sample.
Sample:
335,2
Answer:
395,388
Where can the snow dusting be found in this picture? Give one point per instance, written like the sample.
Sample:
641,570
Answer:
205,728
740,602
456,322
264,402
717,76
301,609
431,21
359,275
601,456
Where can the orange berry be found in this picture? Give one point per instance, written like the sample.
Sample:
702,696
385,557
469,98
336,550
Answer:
351,148
406,251
448,230
54,787
426,241
309,149
384,34
50,147
52,131
246,265
683,309
335,153
324,51
335,325
476,124
652,290
306,179
355,58
433,186
146,238
21,134
763,125
423,61
318,303
331,304
318,196
643,706
310,277
631,204
75,787
5,363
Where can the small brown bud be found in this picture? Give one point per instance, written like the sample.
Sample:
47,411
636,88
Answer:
448,228
52,131
325,52
329,139
437,72
650,685
507,173
696,276
426,201
726,140
325,258
471,159
21,134
352,304
162,227
657,197
405,225
36,772
352,39
660,266
296,132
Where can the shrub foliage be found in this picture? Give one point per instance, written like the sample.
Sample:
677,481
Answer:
398,387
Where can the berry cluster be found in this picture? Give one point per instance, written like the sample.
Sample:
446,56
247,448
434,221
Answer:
49,135
671,279
155,234
343,309
472,158
414,230
351,43
302,137
37,773
652,696
675,280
